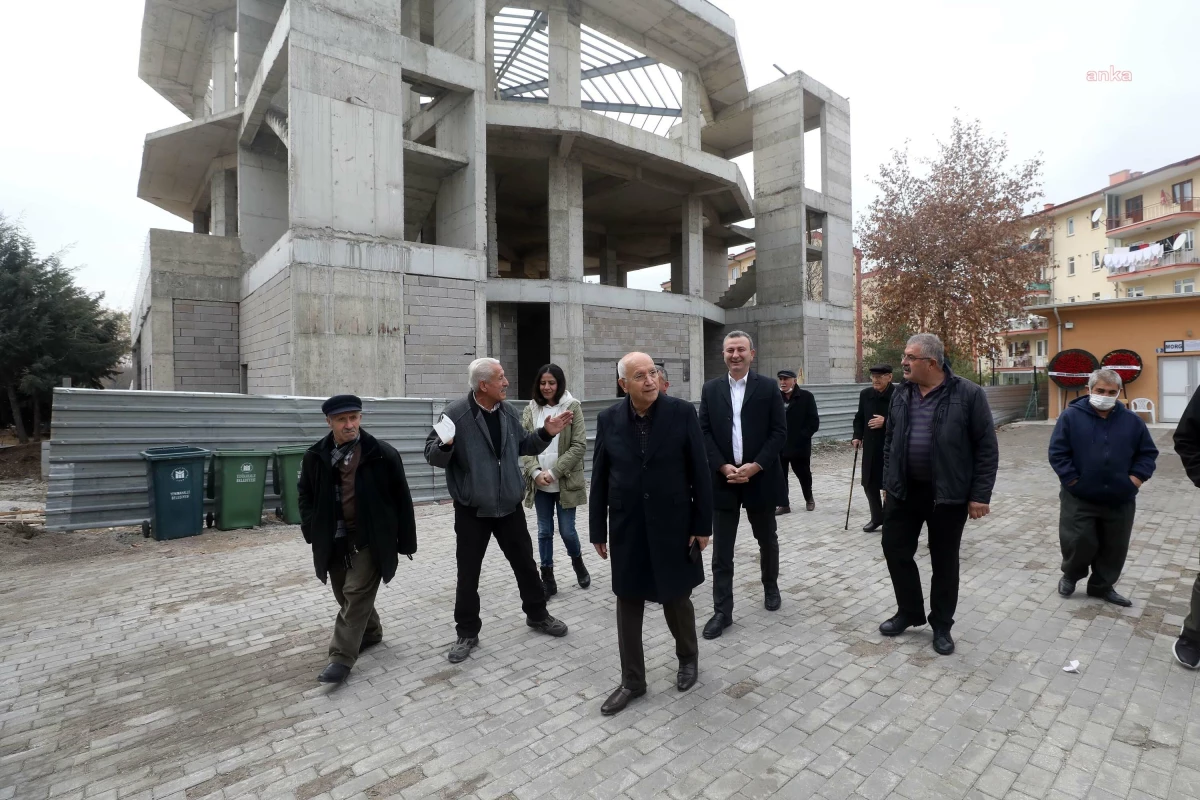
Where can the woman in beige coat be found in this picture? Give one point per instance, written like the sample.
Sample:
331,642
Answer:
554,480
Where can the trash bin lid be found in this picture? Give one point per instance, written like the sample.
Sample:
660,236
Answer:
292,449
242,453
173,452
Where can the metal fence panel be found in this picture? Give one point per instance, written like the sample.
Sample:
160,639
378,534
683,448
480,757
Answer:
1008,403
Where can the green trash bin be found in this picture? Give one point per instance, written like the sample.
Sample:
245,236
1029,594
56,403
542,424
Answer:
286,475
176,482
236,482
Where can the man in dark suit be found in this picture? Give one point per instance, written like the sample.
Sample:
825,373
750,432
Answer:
742,417
802,422
651,487
869,432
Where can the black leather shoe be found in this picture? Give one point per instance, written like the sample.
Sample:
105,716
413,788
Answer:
334,673
462,648
897,625
1111,596
717,625
1066,587
772,600
686,677
943,643
783,510
810,506
549,626
872,526
619,699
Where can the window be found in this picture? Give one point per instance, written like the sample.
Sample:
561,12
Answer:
1071,266
1071,299
1135,291
1181,195
1095,259
1070,226
1133,210
1185,286
1041,347
1096,221
1095,295
733,274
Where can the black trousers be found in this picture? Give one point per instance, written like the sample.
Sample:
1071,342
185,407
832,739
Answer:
681,620
876,503
1094,537
725,525
512,534
801,467
902,521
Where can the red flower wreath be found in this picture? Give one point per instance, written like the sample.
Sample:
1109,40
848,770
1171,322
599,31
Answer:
1125,363
1070,368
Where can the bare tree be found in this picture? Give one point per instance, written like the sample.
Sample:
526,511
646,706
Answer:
951,244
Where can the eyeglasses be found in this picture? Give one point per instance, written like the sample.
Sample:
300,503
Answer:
640,377
910,359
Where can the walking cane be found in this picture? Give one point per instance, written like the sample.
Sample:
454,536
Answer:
850,499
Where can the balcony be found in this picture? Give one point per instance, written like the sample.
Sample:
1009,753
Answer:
1123,265
1037,286
1025,325
1022,362
1159,215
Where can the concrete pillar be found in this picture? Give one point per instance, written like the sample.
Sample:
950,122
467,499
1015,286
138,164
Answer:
223,219
489,55
566,267
692,119
611,273
696,356
224,82
687,250
493,243
200,222
565,85
716,268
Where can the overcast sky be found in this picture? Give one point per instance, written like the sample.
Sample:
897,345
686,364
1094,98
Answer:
76,113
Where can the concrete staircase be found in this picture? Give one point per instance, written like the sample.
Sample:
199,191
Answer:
742,290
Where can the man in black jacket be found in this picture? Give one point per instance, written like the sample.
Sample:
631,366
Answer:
652,493
742,417
939,466
1187,445
869,431
357,513
802,422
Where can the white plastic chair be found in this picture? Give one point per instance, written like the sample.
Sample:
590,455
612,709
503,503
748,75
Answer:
1144,405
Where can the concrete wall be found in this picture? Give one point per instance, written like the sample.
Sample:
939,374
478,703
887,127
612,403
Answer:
439,336
502,334
206,346
266,336
609,334
255,23
262,200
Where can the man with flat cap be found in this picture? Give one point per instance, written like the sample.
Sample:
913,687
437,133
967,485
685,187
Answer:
870,427
357,513
802,422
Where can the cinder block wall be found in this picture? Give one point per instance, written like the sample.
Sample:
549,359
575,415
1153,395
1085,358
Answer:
266,340
206,346
439,335
610,333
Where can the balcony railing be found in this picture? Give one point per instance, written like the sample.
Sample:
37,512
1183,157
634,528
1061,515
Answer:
1039,300
1148,213
1025,362
1027,324
1038,286
1117,262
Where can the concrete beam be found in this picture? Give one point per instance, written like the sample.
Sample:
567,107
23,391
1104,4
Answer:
524,290
269,79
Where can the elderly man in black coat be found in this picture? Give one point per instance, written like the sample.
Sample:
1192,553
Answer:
651,491
802,422
869,431
357,513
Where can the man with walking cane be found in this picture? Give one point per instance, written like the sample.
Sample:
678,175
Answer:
869,432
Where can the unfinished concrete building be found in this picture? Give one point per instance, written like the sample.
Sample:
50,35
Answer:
382,190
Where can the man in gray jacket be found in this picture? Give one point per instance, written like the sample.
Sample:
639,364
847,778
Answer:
479,440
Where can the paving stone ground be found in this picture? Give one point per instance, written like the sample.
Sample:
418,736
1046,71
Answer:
186,670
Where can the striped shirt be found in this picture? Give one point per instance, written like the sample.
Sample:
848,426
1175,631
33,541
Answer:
920,432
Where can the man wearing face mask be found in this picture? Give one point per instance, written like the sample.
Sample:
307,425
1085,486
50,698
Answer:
1102,453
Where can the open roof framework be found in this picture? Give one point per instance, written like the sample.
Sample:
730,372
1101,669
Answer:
617,81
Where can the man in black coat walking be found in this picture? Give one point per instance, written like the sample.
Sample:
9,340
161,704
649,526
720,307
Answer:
802,422
651,491
742,417
869,431
1187,446
357,513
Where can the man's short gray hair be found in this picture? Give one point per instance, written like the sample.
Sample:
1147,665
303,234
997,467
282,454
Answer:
930,345
481,369
1106,375
624,363
738,335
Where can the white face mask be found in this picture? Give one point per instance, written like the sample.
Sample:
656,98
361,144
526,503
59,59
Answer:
1102,402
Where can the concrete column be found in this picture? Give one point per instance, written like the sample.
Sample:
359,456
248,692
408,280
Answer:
692,247
489,55
716,268
695,358
610,273
223,218
566,267
692,119
200,222
493,244
565,86
224,82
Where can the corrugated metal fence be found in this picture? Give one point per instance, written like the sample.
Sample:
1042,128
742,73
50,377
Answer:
98,478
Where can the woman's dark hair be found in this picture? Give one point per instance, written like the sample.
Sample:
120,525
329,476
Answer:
556,371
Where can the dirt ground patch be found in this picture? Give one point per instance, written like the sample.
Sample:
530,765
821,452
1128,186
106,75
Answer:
21,462
31,545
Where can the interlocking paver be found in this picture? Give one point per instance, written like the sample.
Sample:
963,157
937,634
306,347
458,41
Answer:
186,669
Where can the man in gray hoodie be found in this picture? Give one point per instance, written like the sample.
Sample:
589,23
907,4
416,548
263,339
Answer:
479,440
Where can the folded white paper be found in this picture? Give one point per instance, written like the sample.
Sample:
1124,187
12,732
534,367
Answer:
1071,667
444,428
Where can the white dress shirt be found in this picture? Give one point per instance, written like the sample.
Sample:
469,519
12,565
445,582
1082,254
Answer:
737,394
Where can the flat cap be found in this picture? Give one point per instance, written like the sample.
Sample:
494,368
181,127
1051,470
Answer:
340,404
785,373
881,369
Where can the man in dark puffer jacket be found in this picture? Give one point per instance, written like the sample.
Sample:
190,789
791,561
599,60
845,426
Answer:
1102,453
1187,445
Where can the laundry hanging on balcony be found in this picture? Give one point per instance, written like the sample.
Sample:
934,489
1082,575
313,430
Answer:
1121,259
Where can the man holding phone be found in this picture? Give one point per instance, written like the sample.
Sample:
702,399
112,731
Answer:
651,490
